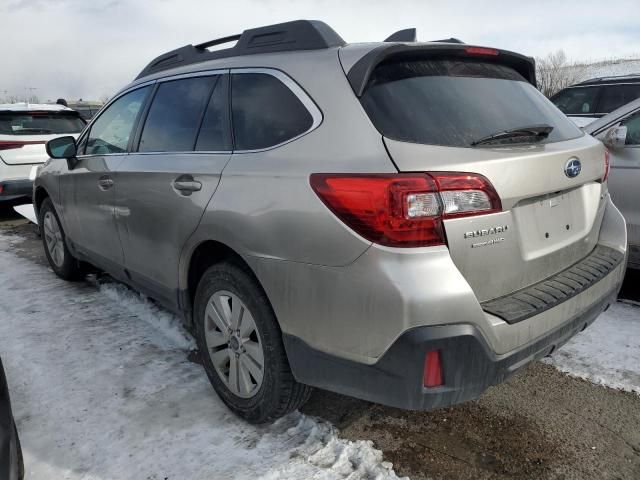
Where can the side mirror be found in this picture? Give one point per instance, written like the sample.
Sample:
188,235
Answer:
62,147
615,137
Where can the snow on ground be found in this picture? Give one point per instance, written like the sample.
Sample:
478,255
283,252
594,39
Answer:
102,389
608,352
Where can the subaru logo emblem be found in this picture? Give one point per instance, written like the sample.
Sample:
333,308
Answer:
573,168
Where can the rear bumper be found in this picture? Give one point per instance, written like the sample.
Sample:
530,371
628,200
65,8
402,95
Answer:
15,189
469,365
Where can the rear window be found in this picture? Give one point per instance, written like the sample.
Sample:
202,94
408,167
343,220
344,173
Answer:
577,101
39,123
457,102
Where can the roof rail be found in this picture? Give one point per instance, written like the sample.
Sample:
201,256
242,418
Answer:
610,78
282,37
406,35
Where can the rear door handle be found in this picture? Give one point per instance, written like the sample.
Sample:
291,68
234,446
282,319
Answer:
105,182
186,185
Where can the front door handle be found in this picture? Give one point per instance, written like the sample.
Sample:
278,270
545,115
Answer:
186,185
105,182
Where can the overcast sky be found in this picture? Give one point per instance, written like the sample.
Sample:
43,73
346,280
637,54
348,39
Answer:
91,48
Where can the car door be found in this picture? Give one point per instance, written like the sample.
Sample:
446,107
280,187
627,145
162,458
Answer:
624,182
165,184
88,187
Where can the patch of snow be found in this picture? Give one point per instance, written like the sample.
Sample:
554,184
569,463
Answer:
101,389
141,308
606,353
611,68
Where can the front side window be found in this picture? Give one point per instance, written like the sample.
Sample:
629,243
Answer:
633,129
265,112
615,96
111,131
175,115
458,103
577,101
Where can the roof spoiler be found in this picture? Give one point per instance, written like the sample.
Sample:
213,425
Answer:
361,71
282,37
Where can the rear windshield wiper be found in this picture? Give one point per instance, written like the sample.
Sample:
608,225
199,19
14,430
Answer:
535,132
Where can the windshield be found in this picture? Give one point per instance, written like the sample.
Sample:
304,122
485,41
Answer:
39,123
456,102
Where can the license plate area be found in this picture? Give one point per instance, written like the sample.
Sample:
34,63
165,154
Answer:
550,222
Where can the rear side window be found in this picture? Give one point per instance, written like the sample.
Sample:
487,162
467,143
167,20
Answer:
111,131
457,102
265,112
615,96
40,123
175,115
215,132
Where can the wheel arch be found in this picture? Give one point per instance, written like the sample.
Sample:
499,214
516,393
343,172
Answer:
201,257
39,196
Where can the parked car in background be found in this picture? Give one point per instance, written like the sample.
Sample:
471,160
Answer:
11,463
86,108
592,99
372,219
620,132
24,130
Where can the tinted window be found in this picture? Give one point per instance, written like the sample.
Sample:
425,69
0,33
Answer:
215,134
175,115
454,103
576,101
633,130
111,131
39,123
615,96
265,112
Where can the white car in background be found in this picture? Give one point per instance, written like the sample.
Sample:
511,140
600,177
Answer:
25,128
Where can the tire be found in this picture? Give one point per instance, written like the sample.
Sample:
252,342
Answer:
55,244
255,400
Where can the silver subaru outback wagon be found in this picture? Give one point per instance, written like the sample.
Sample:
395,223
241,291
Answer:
406,223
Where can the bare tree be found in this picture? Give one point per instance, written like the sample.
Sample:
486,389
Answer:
555,72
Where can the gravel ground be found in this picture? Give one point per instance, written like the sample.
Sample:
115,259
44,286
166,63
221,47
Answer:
539,424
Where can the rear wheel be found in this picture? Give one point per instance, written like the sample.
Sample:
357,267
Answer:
55,244
241,346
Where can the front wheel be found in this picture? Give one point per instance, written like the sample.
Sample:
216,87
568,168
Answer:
55,243
241,346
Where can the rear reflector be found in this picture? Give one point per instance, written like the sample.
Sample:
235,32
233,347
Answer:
405,209
481,51
432,376
11,144
607,165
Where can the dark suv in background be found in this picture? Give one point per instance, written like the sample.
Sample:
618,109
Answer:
595,98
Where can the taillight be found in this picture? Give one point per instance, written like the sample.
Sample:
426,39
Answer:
481,51
404,209
11,144
432,373
607,165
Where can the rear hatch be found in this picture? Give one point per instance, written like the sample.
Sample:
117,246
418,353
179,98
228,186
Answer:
474,114
23,134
